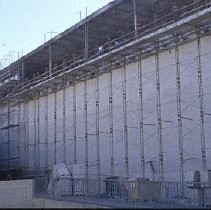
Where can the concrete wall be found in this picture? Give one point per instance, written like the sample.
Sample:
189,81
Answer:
37,119
16,194
19,194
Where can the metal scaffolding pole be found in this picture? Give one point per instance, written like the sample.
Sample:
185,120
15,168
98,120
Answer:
64,122
86,135
141,118
135,17
8,135
74,123
124,88
24,135
27,135
38,132
55,125
22,71
111,122
35,137
97,134
179,114
50,59
201,102
46,131
159,121
86,40
18,134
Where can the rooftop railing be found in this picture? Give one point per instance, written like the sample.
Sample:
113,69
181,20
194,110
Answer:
117,190
108,47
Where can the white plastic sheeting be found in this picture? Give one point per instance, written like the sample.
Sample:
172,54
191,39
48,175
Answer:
167,70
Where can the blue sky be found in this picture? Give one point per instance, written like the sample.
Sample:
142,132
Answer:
23,23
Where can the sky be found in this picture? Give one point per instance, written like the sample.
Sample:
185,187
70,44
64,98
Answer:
24,24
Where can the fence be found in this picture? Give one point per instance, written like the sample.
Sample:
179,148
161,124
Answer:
116,191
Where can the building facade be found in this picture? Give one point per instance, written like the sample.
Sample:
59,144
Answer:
139,109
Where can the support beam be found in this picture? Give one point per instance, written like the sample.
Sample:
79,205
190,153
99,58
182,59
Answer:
135,18
74,123
22,71
55,126
159,121
24,135
201,103
46,131
97,136
179,115
27,136
141,118
35,136
8,134
50,59
18,132
86,41
124,88
38,132
86,137
110,85
64,121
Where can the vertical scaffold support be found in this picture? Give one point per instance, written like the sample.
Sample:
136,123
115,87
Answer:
74,123
55,125
38,132
50,60
24,135
86,43
35,135
111,122
18,134
124,88
97,134
201,102
46,130
27,136
8,134
22,71
179,114
64,121
141,118
159,121
135,18
86,136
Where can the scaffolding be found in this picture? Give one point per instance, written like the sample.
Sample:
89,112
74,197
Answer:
142,42
179,112
141,119
9,130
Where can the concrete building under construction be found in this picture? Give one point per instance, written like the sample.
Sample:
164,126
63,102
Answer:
125,92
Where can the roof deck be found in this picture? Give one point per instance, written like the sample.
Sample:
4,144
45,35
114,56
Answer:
111,27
